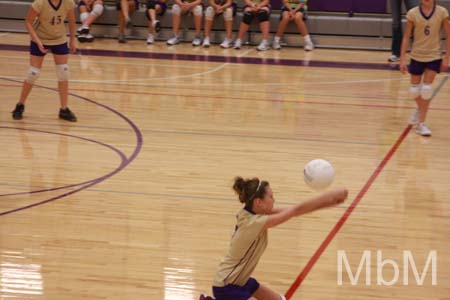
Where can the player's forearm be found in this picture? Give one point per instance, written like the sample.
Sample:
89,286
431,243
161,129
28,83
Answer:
32,32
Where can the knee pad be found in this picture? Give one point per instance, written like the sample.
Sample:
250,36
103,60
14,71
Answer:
263,15
228,14
97,10
198,11
176,9
32,75
62,72
414,90
426,92
151,4
209,13
248,17
84,16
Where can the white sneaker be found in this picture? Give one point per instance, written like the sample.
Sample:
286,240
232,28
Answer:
414,117
263,46
173,40
206,43
276,44
309,47
226,43
150,39
197,41
423,130
237,44
393,58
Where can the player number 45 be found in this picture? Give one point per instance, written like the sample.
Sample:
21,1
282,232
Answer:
56,20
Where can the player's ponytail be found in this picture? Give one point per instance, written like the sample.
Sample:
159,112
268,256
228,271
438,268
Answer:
249,189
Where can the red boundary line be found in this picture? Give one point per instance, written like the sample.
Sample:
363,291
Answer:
312,261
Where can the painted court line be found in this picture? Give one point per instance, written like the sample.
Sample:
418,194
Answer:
312,261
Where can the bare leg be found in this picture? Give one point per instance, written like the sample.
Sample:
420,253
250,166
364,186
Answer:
264,26
228,28
35,61
283,23
265,293
63,86
298,19
422,104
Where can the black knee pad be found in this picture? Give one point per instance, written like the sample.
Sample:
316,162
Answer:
263,15
248,17
151,4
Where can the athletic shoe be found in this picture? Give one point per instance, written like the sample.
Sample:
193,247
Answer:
150,39
263,46
197,41
67,115
206,43
18,111
423,130
82,38
276,44
227,43
122,39
173,40
237,44
309,46
393,58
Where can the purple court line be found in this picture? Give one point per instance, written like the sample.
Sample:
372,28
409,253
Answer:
223,59
120,153
125,161
207,97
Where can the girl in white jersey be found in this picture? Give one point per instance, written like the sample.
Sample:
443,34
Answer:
45,24
425,23
233,279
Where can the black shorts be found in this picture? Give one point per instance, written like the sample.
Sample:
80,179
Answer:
418,67
61,49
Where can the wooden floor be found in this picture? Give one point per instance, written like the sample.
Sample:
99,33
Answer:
120,218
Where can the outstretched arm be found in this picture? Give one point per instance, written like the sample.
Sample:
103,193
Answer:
281,215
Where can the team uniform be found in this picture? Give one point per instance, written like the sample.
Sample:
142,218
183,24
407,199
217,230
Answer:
232,280
426,50
51,32
49,26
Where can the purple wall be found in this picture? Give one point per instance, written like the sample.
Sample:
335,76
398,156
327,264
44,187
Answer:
362,6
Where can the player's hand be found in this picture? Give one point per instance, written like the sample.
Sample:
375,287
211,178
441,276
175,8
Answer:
339,195
72,47
219,9
403,67
41,47
444,64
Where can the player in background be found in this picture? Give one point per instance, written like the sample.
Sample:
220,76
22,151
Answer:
89,10
124,8
293,10
260,10
425,23
180,8
154,8
227,8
